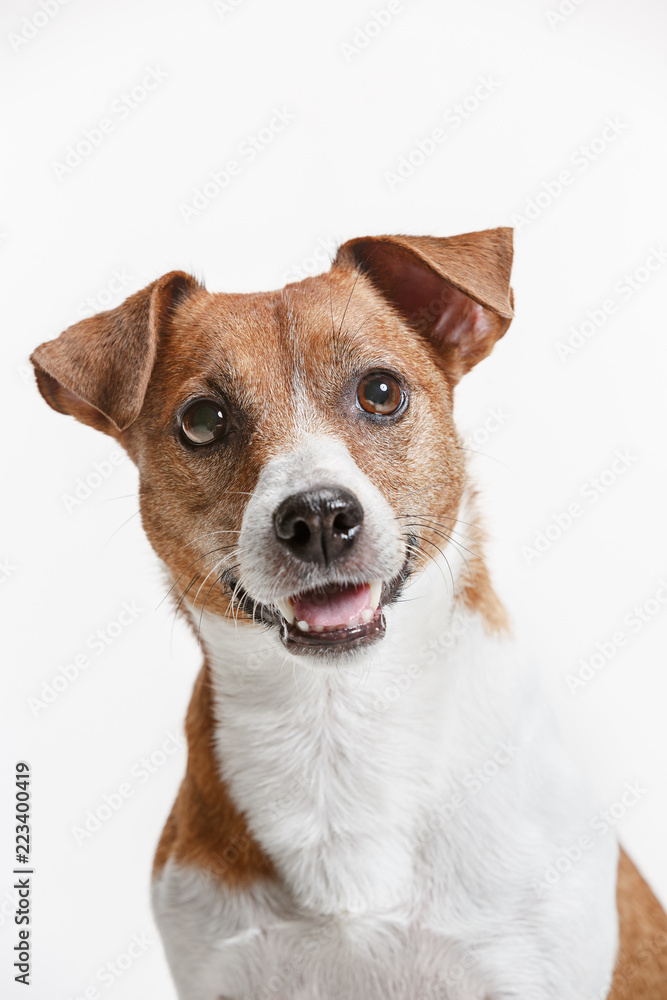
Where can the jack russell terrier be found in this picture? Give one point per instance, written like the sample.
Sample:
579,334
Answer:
375,806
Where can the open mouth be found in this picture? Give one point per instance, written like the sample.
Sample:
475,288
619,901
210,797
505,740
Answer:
333,616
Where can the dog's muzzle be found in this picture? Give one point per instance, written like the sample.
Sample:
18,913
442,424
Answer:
319,525
320,550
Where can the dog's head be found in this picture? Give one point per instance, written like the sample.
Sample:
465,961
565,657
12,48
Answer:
297,453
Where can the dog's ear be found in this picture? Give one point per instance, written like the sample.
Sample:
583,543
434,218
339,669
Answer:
454,291
98,369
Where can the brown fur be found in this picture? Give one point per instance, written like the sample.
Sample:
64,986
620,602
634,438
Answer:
205,828
386,303
641,969
477,593
98,370
174,341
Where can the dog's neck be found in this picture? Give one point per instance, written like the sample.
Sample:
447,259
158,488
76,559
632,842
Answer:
315,754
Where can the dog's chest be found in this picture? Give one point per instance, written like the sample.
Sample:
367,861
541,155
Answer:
359,794
333,786
249,946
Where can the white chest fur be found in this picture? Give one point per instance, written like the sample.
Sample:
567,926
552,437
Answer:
403,803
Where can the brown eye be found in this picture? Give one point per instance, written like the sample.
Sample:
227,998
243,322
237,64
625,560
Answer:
203,422
380,393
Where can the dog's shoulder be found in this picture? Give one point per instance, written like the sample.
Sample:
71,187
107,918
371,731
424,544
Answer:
205,829
641,969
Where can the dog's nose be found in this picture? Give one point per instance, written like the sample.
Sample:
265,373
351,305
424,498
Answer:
319,525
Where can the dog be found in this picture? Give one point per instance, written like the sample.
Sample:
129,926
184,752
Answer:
376,804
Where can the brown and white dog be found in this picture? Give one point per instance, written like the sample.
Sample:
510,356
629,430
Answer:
374,797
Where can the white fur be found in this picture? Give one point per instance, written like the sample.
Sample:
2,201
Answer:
411,800
267,570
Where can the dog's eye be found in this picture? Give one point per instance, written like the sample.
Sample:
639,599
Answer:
380,393
203,422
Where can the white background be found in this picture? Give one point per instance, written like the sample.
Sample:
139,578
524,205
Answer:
323,179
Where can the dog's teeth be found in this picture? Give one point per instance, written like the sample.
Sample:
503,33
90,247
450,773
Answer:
286,609
376,592
318,628
366,615
304,626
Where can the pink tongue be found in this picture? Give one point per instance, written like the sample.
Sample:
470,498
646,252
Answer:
333,607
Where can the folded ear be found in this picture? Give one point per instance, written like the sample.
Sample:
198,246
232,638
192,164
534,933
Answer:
454,291
98,369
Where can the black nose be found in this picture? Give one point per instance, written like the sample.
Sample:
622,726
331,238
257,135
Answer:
319,525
